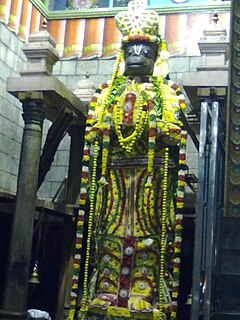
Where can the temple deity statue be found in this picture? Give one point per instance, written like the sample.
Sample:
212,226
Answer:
132,184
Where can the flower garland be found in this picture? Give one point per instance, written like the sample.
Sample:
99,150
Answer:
113,111
81,214
163,233
139,37
128,142
84,306
151,140
105,103
105,122
149,110
105,145
178,224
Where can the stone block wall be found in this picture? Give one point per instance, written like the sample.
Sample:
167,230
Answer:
99,70
71,72
12,61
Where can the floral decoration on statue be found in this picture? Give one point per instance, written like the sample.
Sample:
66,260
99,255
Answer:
133,183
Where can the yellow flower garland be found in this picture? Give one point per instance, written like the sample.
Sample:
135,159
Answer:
84,306
128,142
163,230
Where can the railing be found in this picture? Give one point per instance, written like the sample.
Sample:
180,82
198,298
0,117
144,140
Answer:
209,210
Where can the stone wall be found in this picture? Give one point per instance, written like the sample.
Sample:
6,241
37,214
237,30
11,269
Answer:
99,70
12,60
70,72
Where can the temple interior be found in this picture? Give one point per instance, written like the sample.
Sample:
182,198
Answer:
119,159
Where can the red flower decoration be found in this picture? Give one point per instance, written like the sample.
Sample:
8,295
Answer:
85,175
178,244
127,261
104,85
152,132
125,281
122,302
94,99
79,240
110,109
129,242
173,308
150,104
181,178
174,86
106,132
182,156
138,38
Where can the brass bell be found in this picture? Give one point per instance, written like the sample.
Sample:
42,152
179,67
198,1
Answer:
34,276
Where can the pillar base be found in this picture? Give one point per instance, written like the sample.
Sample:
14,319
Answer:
10,315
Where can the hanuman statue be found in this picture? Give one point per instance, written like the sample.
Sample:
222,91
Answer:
132,183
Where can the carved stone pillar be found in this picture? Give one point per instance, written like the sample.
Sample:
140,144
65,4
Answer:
232,169
15,296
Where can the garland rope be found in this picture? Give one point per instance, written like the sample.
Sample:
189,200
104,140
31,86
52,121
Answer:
163,233
84,307
178,224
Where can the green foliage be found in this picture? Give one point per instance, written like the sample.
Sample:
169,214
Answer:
158,99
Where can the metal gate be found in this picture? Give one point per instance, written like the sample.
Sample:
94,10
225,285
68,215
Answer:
208,210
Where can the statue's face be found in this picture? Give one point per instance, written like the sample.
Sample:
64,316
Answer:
139,58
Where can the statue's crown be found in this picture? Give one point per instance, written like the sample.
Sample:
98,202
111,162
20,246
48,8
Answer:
137,23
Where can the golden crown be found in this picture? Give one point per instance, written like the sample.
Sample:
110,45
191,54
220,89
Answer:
138,24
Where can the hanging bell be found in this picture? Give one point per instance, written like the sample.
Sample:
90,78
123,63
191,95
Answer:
189,299
34,276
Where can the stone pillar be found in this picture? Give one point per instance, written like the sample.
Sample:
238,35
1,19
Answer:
232,168
15,296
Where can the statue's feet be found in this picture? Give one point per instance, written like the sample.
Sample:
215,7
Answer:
139,305
103,301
